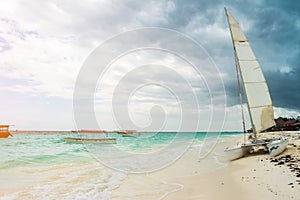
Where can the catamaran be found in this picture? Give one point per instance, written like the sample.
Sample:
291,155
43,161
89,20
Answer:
257,95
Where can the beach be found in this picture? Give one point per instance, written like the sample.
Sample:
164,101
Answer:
68,171
149,100
253,177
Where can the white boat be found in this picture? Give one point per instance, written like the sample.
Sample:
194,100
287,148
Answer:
92,140
257,95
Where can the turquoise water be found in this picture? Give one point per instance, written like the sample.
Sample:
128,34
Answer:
27,150
45,158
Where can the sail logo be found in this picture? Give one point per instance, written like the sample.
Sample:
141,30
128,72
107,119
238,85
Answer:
273,148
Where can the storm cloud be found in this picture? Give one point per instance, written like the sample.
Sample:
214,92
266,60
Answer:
274,36
43,45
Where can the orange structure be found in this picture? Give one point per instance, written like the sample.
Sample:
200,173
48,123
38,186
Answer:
4,131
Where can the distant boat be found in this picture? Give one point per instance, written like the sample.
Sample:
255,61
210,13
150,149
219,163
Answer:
92,140
129,133
91,131
257,94
4,131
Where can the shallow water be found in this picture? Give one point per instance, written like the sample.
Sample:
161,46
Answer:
47,167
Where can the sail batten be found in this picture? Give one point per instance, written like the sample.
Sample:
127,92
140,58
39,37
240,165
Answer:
247,60
254,82
260,106
257,92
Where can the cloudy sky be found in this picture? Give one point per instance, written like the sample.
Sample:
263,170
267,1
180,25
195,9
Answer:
45,46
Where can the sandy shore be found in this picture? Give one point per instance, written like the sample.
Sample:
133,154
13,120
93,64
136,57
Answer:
253,177
190,177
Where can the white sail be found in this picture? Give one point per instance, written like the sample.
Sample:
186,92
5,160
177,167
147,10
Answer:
255,85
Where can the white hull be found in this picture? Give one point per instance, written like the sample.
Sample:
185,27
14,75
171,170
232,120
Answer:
92,141
277,146
233,153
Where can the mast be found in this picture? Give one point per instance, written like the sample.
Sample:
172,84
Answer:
240,94
256,90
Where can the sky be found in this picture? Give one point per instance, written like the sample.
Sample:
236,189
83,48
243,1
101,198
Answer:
185,81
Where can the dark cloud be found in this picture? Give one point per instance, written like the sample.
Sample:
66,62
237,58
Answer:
186,11
272,27
284,87
274,36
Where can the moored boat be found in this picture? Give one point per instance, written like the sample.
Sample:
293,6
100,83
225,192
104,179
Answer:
91,131
4,131
91,140
129,133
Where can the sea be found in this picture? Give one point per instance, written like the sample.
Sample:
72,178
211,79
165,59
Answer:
45,166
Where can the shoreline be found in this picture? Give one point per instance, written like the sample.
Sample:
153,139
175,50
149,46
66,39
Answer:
74,131
252,177
189,177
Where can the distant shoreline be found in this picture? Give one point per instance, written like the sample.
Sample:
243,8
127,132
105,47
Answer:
32,132
53,132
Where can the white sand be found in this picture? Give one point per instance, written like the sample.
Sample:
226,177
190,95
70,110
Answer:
253,177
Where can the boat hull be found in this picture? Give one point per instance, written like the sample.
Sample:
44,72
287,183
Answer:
4,131
277,146
233,153
4,134
92,141
127,135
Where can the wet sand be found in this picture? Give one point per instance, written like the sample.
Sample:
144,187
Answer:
253,177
